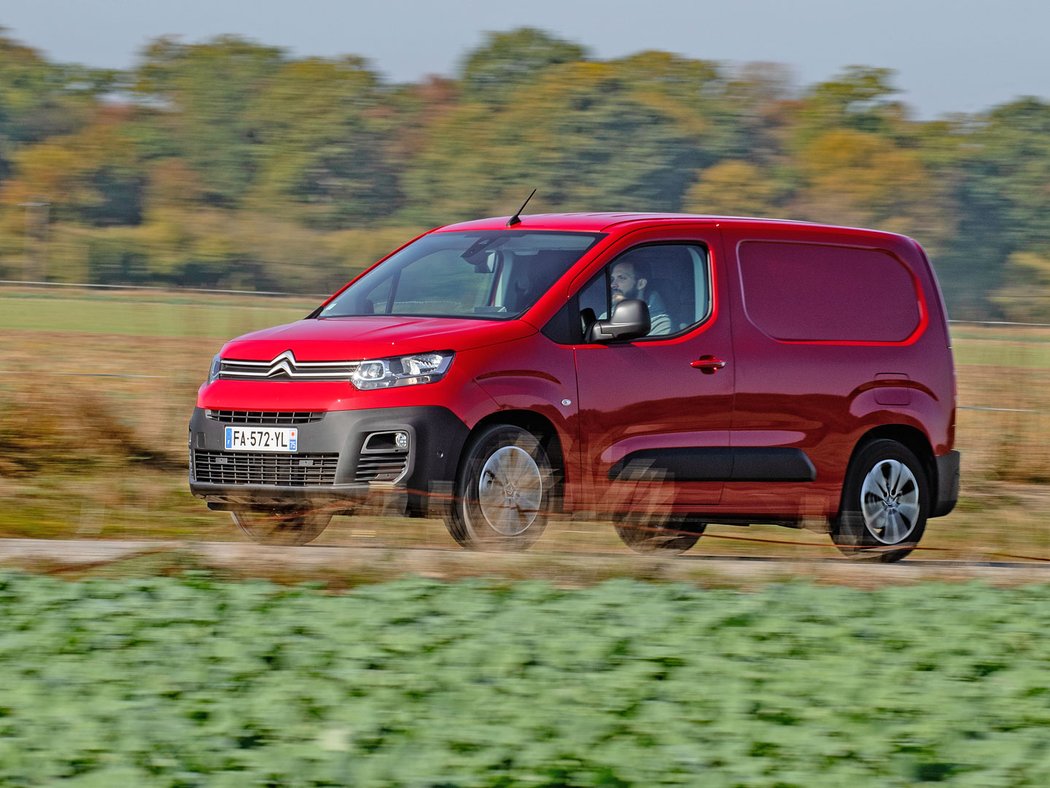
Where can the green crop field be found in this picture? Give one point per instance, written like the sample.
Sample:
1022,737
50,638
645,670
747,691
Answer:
193,681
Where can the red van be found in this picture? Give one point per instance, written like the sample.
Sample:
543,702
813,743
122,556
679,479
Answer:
661,371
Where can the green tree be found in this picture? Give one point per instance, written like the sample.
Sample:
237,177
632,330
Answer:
1004,205
1012,161
39,99
510,60
580,134
323,134
756,108
203,93
1025,294
861,99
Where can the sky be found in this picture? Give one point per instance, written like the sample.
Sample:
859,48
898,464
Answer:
949,55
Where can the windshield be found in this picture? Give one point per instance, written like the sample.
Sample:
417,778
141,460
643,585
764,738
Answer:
495,275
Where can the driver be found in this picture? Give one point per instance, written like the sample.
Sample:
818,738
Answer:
629,279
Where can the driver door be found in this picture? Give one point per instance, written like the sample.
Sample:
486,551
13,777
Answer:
655,412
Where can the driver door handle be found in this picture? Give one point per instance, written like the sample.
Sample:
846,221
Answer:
709,365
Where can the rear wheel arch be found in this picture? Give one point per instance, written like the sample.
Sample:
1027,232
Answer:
911,438
885,502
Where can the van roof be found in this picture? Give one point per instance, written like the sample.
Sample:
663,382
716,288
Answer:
609,221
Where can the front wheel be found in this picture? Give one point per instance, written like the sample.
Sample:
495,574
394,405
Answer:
885,503
281,528
503,492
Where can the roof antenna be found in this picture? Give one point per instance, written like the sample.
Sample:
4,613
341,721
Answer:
516,218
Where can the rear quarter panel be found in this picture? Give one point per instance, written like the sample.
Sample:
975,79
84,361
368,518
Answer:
824,396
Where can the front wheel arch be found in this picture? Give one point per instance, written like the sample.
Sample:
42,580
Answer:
503,495
546,433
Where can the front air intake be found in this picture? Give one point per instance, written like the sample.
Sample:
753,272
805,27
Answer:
276,470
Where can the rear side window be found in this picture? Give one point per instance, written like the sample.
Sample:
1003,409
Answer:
818,292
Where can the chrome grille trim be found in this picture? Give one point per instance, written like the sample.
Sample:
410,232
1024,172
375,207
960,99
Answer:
277,470
286,367
264,417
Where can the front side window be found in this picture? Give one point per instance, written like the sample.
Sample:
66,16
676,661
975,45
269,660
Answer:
495,275
673,280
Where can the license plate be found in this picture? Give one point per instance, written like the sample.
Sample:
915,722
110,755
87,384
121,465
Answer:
274,439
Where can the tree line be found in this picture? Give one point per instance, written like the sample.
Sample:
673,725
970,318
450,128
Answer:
229,163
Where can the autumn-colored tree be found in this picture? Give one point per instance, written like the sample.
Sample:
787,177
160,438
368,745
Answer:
232,163
92,177
860,178
735,188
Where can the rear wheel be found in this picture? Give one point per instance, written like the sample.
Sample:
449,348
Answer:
667,535
503,493
885,503
281,528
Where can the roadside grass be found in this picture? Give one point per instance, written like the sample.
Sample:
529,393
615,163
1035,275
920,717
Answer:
96,392
135,313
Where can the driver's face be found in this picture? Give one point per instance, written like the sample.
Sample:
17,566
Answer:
624,284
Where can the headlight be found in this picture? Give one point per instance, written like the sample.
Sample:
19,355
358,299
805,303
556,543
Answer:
213,373
384,373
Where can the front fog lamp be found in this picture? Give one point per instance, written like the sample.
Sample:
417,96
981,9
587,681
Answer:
385,373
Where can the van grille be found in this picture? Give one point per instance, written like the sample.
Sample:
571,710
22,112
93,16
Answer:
279,470
286,367
381,466
264,416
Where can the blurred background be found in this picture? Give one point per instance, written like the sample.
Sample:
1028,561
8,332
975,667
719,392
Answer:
162,193
175,174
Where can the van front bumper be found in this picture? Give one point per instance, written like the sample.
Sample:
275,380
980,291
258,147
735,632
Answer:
342,460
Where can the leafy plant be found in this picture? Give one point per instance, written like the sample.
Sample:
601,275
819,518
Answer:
195,681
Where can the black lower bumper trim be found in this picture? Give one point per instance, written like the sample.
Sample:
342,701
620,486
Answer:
436,438
947,484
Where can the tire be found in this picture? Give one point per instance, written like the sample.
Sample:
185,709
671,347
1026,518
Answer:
668,536
281,528
885,503
503,491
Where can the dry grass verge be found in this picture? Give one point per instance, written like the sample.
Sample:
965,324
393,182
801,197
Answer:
93,432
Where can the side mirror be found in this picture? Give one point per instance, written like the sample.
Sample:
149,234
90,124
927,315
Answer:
629,320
